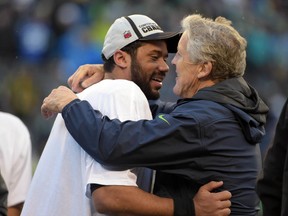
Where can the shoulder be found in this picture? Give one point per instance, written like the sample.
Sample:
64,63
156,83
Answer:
117,98
10,121
111,87
200,106
203,110
9,117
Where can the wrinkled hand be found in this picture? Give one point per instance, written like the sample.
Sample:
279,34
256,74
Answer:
56,101
208,203
85,76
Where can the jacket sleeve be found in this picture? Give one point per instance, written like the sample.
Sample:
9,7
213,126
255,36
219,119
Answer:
159,144
158,106
270,185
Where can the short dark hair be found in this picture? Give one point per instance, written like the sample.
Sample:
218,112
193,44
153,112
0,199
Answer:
131,49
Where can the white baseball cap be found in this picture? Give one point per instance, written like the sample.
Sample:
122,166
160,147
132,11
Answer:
128,29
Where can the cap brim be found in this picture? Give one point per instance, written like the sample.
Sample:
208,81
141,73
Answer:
171,39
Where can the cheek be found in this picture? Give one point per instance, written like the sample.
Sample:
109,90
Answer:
179,85
147,69
184,77
184,84
177,91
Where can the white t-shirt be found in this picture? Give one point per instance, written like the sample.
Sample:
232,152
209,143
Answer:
15,157
64,170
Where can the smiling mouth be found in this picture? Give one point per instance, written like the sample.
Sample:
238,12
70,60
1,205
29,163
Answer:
157,80
156,83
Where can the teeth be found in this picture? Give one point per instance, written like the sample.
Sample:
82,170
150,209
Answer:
158,80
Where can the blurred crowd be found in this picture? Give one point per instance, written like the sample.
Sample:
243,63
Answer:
42,42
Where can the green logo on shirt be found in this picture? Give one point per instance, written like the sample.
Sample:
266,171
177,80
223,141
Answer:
162,118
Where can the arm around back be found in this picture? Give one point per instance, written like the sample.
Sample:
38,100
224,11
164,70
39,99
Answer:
112,142
128,200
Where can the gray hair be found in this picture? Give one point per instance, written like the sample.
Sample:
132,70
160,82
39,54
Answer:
218,42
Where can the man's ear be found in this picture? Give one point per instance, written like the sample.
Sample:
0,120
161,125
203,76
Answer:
121,58
205,70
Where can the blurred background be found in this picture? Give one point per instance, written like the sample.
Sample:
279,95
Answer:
43,42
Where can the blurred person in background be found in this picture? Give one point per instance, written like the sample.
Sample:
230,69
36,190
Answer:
15,160
272,185
212,133
3,197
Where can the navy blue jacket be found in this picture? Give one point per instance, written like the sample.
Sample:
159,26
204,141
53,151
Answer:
212,136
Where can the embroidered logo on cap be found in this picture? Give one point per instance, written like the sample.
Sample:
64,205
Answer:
127,34
147,27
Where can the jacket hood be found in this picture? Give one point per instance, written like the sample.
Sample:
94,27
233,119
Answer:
242,99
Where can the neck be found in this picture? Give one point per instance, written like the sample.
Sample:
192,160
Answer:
201,85
109,75
205,84
117,74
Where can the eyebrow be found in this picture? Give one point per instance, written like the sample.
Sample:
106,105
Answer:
158,52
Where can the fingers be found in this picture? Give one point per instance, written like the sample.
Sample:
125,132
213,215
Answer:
212,185
85,76
96,77
45,112
222,207
223,195
75,80
51,103
70,80
94,73
209,203
56,100
225,204
224,212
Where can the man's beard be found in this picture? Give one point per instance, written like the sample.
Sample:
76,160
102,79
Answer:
137,76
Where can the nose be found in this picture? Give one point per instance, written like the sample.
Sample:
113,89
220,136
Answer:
174,60
164,66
